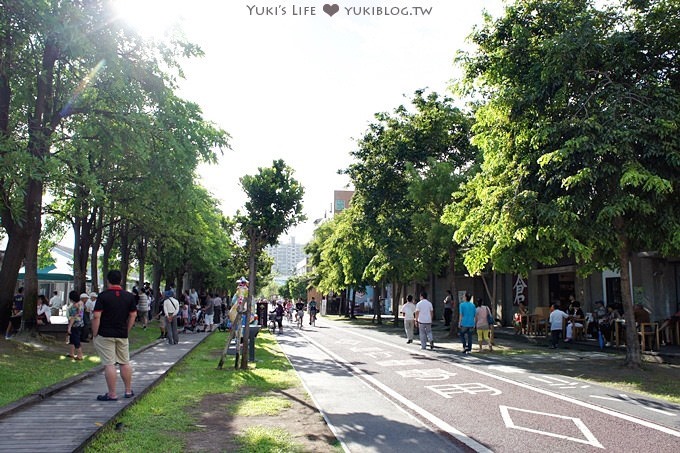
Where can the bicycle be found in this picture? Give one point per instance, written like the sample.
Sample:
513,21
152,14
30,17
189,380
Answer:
300,315
272,323
312,318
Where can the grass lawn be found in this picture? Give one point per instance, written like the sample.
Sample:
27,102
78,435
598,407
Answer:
196,401
29,364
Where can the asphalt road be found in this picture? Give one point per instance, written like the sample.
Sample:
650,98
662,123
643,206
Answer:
380,394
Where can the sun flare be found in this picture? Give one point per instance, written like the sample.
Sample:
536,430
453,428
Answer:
152,19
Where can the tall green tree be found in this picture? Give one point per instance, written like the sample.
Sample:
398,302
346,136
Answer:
579,134
274,204
397,158
51,56
297,286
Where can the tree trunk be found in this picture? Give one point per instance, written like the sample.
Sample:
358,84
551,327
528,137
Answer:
31,276
633,355
453,331
94,268
396,301
157,275
96,244
108,248
141,258
433,288
17,241
124,252
354,301
81,252
252,263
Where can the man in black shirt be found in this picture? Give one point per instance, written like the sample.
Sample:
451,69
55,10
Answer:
114,315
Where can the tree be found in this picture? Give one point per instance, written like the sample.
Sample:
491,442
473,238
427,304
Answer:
579,135
274,204
401,157
297,286
346,253
52,57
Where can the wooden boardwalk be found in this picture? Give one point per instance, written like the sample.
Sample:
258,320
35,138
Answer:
67,420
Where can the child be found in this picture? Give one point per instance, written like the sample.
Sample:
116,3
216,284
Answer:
557,317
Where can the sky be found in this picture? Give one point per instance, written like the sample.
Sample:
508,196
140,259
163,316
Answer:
304,85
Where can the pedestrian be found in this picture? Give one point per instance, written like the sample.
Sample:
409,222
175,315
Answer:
466,323
170,311
43,313
89,312
409,311
74,330
115,313
448,308
482,315
424,315
217,307
209,310
56,303
193,297
278,315
17,313
161,324
556,321
142,307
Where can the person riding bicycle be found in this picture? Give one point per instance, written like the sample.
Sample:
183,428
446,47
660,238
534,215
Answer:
311,307
299,310
278,313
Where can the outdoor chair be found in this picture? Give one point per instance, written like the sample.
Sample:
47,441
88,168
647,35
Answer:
538,321
647,333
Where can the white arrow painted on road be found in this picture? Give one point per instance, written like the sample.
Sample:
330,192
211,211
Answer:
589,437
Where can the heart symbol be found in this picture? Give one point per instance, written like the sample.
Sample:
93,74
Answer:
331,9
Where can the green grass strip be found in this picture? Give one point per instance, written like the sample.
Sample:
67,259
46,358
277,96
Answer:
156,421
261,439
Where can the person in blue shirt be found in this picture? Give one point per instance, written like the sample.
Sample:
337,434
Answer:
466,324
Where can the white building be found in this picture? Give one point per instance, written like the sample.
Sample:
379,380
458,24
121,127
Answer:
286,257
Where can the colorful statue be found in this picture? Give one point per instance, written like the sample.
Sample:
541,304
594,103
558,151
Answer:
239,299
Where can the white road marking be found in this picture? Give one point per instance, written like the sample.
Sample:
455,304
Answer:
590,439
507,369
471,388
405,362
560,383
542,391
432,374
439,423
606,398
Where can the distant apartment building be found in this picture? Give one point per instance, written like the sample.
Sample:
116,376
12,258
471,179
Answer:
341,200
286,257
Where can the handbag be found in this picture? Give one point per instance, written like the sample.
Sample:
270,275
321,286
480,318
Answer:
489,318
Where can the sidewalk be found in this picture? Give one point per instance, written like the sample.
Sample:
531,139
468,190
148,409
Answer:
63,418
665,354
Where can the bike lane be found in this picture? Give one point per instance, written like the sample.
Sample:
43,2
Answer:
483,405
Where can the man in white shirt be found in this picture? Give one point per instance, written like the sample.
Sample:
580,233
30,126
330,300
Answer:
409,312
56,303
170,311
424,314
